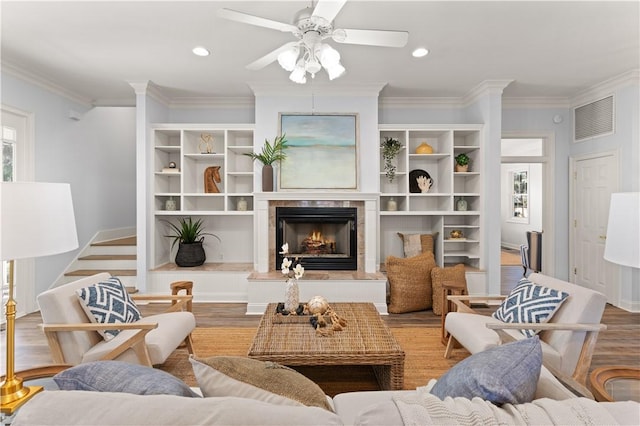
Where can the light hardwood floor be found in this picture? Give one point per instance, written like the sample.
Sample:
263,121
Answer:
618,345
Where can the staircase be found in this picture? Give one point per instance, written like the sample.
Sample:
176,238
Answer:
116,256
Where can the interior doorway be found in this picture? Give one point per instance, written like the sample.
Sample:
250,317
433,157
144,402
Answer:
594,178
526,196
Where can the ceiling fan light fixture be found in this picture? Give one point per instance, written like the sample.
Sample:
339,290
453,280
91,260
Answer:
329,56
288,58
335,71
299,75
312,66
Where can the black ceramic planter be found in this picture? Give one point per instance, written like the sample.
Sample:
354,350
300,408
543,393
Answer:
190,254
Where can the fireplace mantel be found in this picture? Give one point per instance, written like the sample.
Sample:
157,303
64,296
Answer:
263,222
316,196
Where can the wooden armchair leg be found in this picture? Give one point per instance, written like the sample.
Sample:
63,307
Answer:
450,345
189,342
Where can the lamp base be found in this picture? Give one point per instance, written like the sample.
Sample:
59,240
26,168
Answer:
13,395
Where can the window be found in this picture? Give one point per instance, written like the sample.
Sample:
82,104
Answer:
520,196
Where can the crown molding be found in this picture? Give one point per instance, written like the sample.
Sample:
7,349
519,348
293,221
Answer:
491,87
606,87
358,89
535,102
43,82
212,102
420,102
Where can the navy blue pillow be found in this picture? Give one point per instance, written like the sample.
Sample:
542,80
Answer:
507,373
118,376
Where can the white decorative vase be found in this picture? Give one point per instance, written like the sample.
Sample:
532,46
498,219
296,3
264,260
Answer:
291,295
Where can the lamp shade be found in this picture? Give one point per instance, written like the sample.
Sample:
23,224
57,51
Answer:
623,230
36,219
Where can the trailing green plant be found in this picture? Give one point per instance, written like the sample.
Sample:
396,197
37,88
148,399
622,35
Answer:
271,153
462,159
187,231
390,149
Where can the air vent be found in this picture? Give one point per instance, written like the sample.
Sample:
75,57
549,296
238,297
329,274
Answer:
594,119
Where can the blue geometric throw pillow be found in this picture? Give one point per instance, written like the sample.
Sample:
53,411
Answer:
108,302
530,303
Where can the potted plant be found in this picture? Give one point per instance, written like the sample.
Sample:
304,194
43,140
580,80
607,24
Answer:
189,235
390,149
462,162
269,155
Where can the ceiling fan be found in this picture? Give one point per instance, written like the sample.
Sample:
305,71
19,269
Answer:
311,26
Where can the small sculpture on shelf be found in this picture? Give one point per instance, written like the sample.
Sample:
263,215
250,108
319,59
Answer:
424,148
211,176
206,143
419,181
171,168
456,234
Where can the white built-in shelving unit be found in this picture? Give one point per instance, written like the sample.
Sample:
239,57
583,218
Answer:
435,210
183,144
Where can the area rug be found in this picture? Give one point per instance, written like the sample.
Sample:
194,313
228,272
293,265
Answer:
424,358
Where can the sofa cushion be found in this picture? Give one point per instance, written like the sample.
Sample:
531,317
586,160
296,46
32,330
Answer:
530,303
116,376
410,283
415,244
503,374
106,408
108,302
250,378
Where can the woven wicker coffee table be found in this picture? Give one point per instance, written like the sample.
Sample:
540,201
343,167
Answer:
366,340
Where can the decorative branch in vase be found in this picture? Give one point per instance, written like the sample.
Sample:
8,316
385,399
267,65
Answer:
390,149
293,270
269,155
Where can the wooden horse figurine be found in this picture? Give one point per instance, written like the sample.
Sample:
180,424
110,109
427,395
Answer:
211,176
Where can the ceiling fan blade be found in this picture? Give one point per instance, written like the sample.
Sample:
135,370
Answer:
371,37
328,9
245,18
270,57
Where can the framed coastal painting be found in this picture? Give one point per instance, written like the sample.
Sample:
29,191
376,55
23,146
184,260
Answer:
322,151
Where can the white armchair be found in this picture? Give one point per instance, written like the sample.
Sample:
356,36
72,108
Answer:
74,339
568,339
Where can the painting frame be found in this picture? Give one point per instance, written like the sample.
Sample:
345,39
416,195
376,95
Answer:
316,138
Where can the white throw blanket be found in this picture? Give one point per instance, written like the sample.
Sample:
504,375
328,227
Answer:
422,408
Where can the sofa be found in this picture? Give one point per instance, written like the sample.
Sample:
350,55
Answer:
352,408
115,393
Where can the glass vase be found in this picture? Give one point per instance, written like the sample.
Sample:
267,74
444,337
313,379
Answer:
291,295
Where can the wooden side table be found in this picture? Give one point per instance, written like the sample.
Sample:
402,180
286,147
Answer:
615,383
449,288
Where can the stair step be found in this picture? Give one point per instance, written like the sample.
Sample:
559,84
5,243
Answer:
127,241
109,257
89,272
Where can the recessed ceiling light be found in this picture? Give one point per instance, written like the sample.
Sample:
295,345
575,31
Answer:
200,51
420,52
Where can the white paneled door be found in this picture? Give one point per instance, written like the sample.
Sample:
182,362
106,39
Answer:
594,179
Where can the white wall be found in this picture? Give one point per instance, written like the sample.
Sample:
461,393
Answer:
513,234
626,140
96,155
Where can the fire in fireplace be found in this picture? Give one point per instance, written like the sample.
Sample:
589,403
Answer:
321,237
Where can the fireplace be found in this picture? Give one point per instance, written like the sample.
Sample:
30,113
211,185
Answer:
320,237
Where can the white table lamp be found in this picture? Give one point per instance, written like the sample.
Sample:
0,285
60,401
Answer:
623,230
36,219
